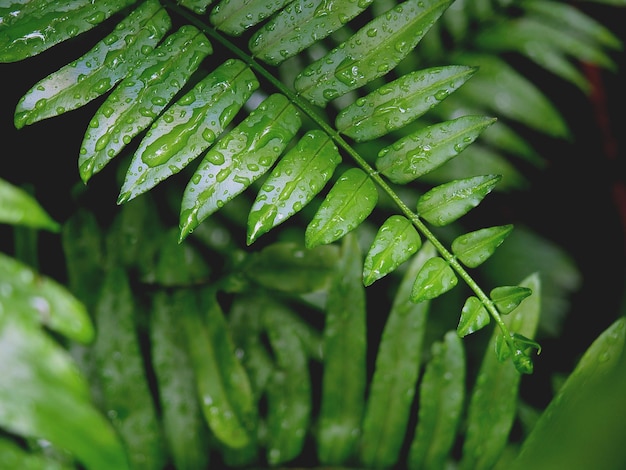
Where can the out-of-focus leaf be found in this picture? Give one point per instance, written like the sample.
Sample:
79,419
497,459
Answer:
474,316
300,24
179,264
297,178
289,396
400,102
474,248
442,393
289,267
429,148
507,298
371,52
20,208
25,25
44,396
126,394
493,402
395,242
140,97
189,127
507,93
13,455
43,300
185,431
435,278
348,203
97,71
447,202
395,375
585,421
344,374
222,383
234,18
238,159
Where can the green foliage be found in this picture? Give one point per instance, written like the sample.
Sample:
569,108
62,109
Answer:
184,346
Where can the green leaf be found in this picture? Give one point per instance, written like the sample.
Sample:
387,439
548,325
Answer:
474,316
13,455
371,52
586,413
349,202
197,6
96,72
297,178
286,34
435,278
222,383
396,104
474,248
289,395
185,430
395,242
499,87
507,298
141,97
289,267
396,371
429,148
344,374
126,393
24,25
494,399
44,396
20,208
447,202
235,17
189,127
238,159
43,300
442,393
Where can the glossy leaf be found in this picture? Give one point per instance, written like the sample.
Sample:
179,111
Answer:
507,298
289,395
297,178
43,300
300,24
522,345
442,395
238,159
396,371
197,6
235,17
223,387
125,390
24,25
46,397
430,147
348,203
503,90
474,248
97,71
435,278
396,104
20,208
494,398
141,97
395,242
289,267
371,52
189,127
474,316
344,375
447,202
185,430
